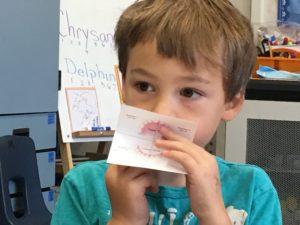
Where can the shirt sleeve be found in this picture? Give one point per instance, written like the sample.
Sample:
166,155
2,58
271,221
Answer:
68,209
265,209
83,198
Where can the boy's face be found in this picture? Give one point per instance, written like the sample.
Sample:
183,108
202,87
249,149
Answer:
163,85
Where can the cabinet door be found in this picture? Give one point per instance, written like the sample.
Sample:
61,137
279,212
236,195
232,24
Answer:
42,128
29,37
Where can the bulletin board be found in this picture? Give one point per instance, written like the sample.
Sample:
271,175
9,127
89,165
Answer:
87,57
289,11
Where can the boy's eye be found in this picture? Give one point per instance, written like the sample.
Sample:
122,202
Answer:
144,86
188,92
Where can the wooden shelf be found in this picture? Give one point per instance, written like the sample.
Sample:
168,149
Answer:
278,63
102,133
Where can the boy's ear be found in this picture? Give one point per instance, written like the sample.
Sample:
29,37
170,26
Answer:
234,106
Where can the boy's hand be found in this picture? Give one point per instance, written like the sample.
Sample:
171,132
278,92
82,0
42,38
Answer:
126,188
202,179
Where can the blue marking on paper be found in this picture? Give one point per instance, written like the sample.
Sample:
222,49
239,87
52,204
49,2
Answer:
51,118
50,196
51,157
268,72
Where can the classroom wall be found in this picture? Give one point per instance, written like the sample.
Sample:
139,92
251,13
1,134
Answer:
258,11
264,11
244,6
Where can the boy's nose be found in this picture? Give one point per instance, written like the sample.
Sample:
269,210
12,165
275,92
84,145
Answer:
163,106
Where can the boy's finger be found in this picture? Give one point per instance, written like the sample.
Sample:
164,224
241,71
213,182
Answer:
197,153
188,163
168,134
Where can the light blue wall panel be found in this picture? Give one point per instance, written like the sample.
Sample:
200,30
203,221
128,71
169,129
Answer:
29,40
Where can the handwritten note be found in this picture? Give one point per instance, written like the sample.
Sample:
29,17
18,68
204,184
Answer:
133,142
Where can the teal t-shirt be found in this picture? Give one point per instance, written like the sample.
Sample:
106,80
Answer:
248,194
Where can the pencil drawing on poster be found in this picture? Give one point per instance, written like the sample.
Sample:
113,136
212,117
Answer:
83,108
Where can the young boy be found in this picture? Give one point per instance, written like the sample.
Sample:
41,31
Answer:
189,59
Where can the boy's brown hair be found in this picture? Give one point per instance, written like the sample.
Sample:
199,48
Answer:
185,29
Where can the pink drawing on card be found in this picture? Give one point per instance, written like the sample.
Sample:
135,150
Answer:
151,132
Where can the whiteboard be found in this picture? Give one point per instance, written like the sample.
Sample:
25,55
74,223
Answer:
87,56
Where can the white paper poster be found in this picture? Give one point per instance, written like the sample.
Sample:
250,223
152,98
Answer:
87,55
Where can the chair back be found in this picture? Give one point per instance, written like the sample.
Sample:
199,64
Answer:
18,164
